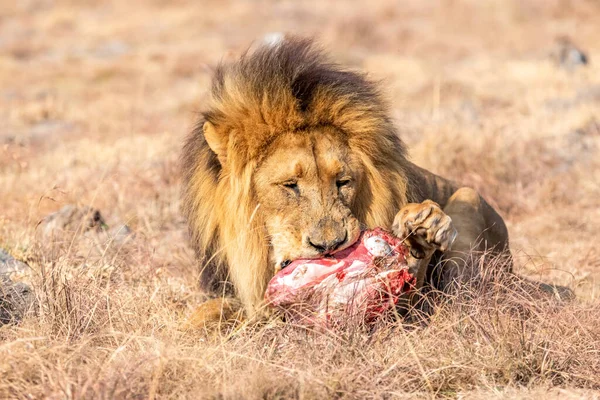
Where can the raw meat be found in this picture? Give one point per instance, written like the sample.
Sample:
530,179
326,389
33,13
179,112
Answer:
359,283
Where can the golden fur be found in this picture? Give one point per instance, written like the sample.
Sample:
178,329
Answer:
275,109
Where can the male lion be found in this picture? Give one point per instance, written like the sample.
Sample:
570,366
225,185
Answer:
292,157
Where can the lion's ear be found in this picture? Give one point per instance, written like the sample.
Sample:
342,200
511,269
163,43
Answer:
216,141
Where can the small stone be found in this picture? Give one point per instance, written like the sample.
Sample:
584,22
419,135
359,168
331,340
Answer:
83,231
71,219
9,265
15,297
118,235
567,55
15,301
273,38
121,233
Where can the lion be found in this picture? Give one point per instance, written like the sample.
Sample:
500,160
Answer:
292,156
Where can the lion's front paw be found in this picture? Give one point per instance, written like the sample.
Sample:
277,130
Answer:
213,313
425,228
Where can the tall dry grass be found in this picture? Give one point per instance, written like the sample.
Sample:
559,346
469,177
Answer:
95,334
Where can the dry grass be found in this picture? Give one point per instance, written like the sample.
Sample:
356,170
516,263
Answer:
95,98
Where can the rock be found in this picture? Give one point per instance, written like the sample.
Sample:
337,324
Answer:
567,55
273,38
561,293
15,297
118,234
15,300
82,231
9,265
71,219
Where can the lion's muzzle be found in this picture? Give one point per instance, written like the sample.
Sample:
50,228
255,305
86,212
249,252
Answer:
327,236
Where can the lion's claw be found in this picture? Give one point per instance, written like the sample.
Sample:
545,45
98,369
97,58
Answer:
425,228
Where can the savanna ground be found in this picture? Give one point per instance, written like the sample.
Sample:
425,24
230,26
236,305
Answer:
95,98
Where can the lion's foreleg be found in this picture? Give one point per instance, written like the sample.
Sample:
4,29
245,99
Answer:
481,232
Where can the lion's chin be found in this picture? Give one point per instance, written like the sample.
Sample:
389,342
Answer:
288,259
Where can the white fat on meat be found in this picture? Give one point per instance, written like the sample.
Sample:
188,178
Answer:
378,247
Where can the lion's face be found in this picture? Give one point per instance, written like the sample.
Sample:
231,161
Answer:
306,187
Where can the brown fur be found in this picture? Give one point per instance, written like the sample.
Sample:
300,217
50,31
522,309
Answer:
281,106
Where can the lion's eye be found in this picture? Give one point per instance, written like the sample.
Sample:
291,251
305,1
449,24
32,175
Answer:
342,182
292,185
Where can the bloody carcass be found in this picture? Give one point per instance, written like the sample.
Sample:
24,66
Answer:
361,283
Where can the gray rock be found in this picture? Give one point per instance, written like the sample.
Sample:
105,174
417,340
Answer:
117,235
567,55
82,231
9,265
16,298
121,233
71,219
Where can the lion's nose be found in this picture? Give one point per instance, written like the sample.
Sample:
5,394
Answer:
326,247
327,236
